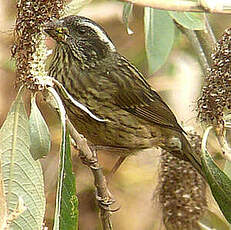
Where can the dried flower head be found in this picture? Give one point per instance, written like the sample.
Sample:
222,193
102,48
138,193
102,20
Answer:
216,93
181,190
27,50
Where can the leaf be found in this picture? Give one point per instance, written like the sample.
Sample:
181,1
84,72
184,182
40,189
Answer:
192,21
159,37
66,210
211,221
74,6
227,168
69,201
3,205
127,10
219,183
39,132
22,175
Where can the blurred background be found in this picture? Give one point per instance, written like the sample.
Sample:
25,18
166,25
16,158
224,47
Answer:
179,82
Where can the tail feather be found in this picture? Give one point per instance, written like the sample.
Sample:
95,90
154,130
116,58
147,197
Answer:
191,155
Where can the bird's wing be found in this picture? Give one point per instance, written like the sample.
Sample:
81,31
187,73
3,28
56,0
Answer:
139,99
155,110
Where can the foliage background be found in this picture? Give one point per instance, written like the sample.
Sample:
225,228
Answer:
178,81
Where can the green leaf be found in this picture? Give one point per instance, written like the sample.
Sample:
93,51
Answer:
192,21
69,201
74,6
66,210
3,202
39,132
227,168
127,10
159,37
219,183
22,175
211,221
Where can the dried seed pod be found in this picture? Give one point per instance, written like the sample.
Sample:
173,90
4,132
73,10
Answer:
216,93
181,191
27,36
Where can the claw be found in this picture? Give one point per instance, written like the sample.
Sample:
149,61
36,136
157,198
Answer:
105,203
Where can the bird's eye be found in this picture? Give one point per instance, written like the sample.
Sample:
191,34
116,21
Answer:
82,30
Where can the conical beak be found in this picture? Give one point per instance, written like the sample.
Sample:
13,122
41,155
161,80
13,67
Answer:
56,30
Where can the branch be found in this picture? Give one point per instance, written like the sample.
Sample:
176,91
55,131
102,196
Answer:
203,42
207,40
208,6
90,159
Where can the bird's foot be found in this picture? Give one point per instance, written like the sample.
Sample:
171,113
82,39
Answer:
92,162
106,202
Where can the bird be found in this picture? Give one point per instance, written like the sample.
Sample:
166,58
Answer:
133,116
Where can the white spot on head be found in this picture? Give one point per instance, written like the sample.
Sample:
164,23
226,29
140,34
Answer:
101,34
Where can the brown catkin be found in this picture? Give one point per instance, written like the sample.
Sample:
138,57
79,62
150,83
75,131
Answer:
182,191
27,34
216,93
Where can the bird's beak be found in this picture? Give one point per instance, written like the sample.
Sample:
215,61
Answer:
52,25
56,30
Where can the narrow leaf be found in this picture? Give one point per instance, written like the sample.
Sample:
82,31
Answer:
39,132
192,21
74,6
66,210
3,205
212,221
62,113
69,201
159,37
227,168
127,10
219,183
22,175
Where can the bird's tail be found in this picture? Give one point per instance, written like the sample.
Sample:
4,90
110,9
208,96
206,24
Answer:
191,154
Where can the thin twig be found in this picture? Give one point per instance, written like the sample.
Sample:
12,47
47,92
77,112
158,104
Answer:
203,42
207,6
196,44
90,159
210,31
207,41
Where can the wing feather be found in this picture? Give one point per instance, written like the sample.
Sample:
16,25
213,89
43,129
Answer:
137,97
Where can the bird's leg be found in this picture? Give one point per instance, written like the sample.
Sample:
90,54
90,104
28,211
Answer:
115,167
103,195
104,201
123,153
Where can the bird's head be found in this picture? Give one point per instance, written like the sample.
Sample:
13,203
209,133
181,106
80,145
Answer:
83,36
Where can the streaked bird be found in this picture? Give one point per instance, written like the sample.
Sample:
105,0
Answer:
86,62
